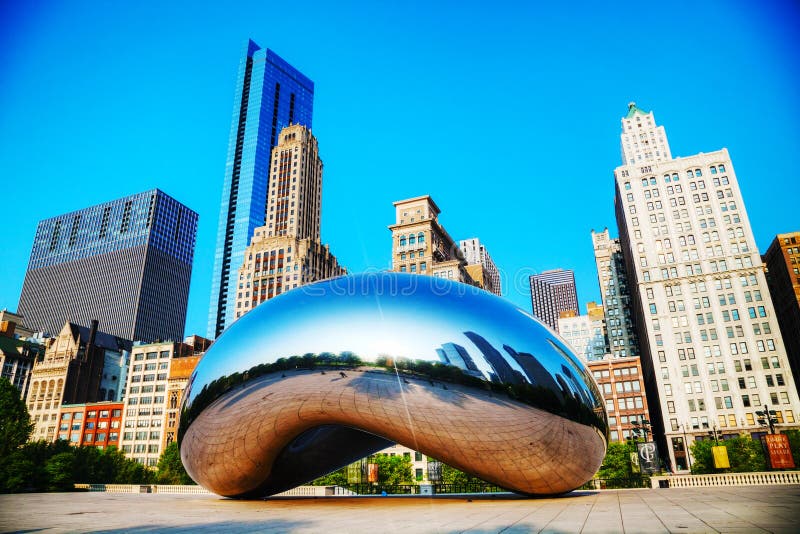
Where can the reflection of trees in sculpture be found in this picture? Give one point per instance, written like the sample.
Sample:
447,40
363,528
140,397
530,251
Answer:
555,396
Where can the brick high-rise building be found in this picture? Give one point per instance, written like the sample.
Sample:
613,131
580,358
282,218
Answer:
286,252
712,353
621,382
783,276
126,263
270,95
553,292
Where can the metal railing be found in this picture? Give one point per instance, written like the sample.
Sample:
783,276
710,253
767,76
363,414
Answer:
617,483
728,479
422,489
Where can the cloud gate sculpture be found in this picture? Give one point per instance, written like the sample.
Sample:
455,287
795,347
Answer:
328,373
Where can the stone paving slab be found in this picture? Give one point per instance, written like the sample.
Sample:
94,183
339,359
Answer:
684,510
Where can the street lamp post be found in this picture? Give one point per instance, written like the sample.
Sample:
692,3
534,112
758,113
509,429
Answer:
641,428
714,432
686,446
765,418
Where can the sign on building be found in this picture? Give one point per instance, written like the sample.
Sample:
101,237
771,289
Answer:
780,455
649,462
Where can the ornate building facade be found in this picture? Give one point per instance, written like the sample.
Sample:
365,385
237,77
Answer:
287,251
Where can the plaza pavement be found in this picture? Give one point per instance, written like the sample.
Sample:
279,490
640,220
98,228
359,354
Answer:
717,509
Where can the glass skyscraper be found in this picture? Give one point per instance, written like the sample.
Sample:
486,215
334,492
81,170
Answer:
126,263
270,95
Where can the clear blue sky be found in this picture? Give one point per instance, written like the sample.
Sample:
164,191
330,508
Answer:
506,113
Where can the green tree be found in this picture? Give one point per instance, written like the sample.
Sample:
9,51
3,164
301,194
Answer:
35,455
393,470
335,478
451,475
16,473
170,467
702,458
15,422
60,470
744,455
127,471
617,463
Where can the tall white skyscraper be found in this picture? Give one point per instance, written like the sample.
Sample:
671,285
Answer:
712,352
641,139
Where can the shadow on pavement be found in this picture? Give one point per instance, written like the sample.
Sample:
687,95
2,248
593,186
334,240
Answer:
269,525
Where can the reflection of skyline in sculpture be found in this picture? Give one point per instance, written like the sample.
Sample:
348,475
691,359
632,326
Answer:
575,385
456,355
503,372
535,372
332,375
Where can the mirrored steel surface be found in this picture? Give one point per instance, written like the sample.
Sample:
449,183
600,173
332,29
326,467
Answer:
328,373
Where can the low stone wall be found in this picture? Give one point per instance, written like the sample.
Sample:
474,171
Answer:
727,479
300,491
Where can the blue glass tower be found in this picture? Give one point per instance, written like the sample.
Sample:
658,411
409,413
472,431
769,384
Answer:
125,263
270,95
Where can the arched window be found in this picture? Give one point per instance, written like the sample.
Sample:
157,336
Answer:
412,239
402,240
420,238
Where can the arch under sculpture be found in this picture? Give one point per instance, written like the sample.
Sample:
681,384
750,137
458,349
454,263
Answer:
331,372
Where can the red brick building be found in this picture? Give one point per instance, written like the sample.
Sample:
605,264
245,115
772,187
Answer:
97,424
621,382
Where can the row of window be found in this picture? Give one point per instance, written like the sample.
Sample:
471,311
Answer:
628,403
90,438
140,448
147,389
619,371
133,401
627,386
674,177
729,420
150,356
142,436
143,412
423,267
91,414
90,425
412,239
148,378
